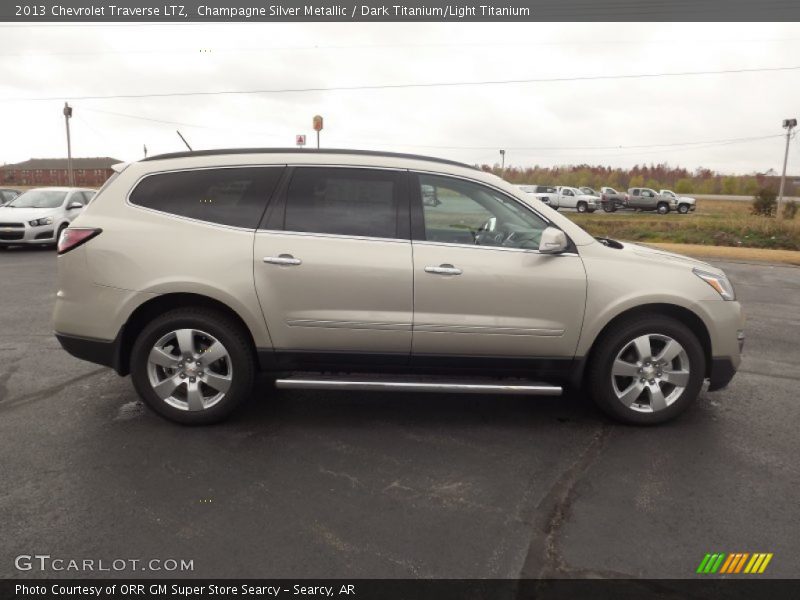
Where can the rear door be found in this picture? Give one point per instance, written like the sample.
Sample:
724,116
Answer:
332,265
481,287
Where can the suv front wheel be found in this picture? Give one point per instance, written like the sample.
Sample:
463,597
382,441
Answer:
193,365
647,370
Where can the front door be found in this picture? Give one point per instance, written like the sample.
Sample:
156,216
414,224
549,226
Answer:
481,287
334,273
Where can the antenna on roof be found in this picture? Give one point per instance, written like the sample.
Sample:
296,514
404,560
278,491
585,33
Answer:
184,140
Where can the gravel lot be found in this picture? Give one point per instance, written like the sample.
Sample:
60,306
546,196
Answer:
313,484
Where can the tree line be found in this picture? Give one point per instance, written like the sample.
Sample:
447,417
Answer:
660,176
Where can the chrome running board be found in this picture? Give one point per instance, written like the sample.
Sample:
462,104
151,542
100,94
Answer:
425,384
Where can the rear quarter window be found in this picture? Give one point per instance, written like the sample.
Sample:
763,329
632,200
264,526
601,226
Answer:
234,196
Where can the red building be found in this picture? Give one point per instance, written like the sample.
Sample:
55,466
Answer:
88,172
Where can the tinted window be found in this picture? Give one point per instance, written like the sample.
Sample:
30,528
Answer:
470,213
362,202
235,196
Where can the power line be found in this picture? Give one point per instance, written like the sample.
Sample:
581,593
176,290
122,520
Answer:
617,147
405,85
676,145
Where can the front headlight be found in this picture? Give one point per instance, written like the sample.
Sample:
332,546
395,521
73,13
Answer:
42,221
719,282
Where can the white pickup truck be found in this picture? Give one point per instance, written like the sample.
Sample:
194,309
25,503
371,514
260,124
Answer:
570,197
546,193
683,204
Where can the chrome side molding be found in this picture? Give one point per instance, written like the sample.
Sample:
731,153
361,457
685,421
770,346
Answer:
396,385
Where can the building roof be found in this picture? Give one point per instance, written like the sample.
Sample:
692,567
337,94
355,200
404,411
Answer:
100,162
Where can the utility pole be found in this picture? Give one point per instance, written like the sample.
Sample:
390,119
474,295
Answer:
67,117
502,163
788,125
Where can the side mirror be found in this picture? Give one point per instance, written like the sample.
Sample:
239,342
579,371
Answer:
74,205
553,241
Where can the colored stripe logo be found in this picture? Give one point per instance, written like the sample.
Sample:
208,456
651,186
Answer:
735,563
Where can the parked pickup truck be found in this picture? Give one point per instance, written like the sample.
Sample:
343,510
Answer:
647,199
546,193
683,204
611,199
570,197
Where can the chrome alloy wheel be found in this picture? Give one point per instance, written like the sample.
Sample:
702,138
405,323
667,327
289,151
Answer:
189,369
650,373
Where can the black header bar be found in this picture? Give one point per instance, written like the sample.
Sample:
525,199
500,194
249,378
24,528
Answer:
226,11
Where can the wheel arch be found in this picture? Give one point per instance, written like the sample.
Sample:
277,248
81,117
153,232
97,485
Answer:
689,318
147,311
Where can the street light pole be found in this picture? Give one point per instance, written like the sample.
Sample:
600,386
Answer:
788,125
502,163
67,117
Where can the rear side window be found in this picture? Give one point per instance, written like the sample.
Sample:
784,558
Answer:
231,196
357,202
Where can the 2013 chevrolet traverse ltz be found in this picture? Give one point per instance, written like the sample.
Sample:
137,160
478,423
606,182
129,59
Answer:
192,271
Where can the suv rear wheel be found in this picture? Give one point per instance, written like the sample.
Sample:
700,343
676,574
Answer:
193,365
647,370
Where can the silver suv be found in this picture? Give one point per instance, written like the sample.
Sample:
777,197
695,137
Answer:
376,271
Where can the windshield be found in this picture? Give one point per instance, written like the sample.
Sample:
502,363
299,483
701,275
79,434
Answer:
39,199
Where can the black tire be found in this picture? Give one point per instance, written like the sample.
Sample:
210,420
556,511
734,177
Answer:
590,210
662,208
607,207
581,207
683,209
219,325
606,349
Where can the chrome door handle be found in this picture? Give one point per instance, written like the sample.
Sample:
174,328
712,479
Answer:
444,270
283,259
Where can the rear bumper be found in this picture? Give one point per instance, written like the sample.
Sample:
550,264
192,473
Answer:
101,352
722,371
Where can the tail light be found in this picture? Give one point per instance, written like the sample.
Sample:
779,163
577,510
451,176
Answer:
72,238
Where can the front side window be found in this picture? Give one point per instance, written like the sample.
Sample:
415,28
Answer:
229,196
470,213
343,201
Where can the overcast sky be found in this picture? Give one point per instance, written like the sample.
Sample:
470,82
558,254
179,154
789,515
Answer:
546,123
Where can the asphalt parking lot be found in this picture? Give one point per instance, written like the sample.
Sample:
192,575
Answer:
324,484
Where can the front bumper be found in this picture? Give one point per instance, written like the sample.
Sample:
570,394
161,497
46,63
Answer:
13,235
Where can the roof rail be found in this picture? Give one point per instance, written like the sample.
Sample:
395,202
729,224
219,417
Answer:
304,151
